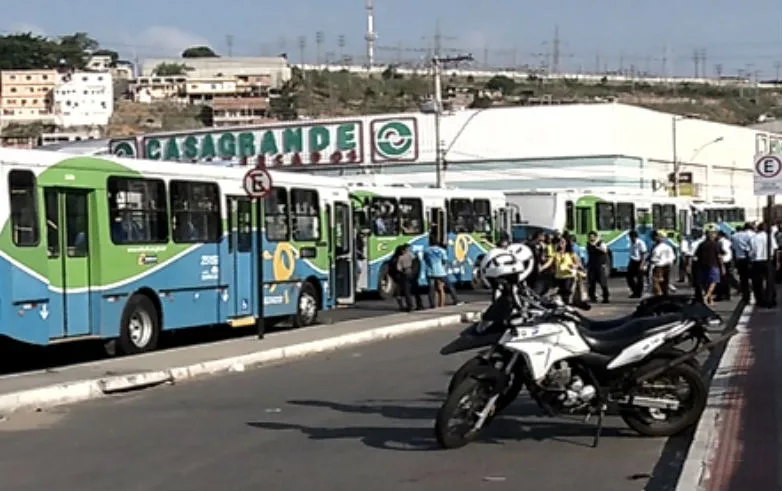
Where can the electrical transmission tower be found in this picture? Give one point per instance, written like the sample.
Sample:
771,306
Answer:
302,48
229,43
320,38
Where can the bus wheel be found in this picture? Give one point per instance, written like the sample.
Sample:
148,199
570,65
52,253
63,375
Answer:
140,326
385,285
307,306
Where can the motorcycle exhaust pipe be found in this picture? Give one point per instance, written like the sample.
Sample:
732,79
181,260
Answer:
655,403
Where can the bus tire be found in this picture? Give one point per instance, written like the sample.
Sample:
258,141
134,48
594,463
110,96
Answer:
385,285
306,306
139,330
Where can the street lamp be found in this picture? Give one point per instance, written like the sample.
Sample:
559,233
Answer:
676,163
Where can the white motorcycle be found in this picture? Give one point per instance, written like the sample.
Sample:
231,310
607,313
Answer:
567,369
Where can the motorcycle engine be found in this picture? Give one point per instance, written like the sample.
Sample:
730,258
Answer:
570,389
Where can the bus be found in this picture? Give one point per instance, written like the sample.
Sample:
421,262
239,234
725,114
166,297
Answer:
722,217
120,250
611,215
387,215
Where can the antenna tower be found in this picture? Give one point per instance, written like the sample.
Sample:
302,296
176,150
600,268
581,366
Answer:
371,36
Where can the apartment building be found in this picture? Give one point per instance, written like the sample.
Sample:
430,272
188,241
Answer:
275,69
154,88
83,99
121,70
237,111
26,96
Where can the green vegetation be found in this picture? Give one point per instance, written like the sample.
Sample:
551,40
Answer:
171,69
199,52
29,51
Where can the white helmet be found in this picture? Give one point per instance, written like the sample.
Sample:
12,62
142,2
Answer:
514,263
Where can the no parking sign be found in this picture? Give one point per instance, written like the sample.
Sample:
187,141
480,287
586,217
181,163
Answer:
768,175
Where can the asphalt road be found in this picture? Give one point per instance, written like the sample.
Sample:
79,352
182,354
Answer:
355,419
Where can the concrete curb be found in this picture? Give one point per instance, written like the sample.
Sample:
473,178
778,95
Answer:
82,390
706,439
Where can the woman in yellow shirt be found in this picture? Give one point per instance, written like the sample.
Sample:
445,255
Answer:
566,270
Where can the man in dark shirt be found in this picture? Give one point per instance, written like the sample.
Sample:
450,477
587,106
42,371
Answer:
597,267
708,256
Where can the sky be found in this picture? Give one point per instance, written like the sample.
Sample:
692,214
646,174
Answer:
609,34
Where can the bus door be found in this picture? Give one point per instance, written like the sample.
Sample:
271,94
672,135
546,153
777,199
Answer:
343,252
583,220
70,269
241,257
685,224
438,224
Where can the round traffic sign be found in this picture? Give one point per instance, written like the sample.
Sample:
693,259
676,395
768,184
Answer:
768,166
257,183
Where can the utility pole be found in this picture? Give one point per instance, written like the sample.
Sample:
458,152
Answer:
777,67
556,50
703,63
718,68
282,45
302,48
229,42
437,63
666,55
597,63
341,45
696,58
319,39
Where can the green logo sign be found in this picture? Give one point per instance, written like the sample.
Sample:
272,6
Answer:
394,140
123,148
290,145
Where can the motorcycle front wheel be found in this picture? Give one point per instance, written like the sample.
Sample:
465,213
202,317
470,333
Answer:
472,365
682,382
456,420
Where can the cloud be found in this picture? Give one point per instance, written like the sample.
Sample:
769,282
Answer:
164,41
24,27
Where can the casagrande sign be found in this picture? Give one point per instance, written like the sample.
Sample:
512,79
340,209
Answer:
319,143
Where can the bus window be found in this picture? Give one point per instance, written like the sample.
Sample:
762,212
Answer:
657,217
641,216
583,220
461,216
137,210
606,220
275,211
570,224
625,216
244,225
195,212
24,208
741,215
411,215
482,209
305,214
668,220
385,217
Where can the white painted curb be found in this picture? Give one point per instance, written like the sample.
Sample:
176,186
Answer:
72,392
705,441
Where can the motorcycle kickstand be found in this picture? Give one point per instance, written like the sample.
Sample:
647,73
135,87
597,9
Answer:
599,429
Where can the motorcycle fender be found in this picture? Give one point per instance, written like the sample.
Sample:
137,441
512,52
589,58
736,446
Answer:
489,373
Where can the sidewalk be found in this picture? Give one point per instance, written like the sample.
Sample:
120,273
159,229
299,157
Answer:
737,444
75,383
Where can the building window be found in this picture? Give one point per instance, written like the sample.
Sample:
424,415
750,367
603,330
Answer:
45,77
29,77
13,89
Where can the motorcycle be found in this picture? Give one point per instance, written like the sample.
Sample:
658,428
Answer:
509,304
568,369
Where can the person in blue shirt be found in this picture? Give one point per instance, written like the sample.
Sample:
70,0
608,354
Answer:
434,259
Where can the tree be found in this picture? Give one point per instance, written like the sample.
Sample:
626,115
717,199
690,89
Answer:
28,51
199,52
170,69
502,83
75,49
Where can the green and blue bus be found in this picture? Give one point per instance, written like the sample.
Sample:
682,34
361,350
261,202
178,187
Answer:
611,215
386,215
99,247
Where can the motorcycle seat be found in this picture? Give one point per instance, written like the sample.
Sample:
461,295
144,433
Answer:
604,325
613,341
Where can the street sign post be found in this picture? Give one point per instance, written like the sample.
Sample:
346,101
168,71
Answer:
768,175
768,182
257,183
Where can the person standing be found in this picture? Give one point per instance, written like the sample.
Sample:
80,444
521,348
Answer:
635,280
765,294
685,258
405,279
727,281
661,258
566,266
741,249
434,258
597,265
708,255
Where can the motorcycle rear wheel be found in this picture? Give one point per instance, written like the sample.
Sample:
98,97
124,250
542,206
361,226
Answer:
643,421
463,404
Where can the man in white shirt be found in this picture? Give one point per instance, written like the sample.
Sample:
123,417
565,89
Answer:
741,249
727,281
765,294
685,258
635,279
661,258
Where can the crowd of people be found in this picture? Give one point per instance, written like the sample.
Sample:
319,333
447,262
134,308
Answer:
709,262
